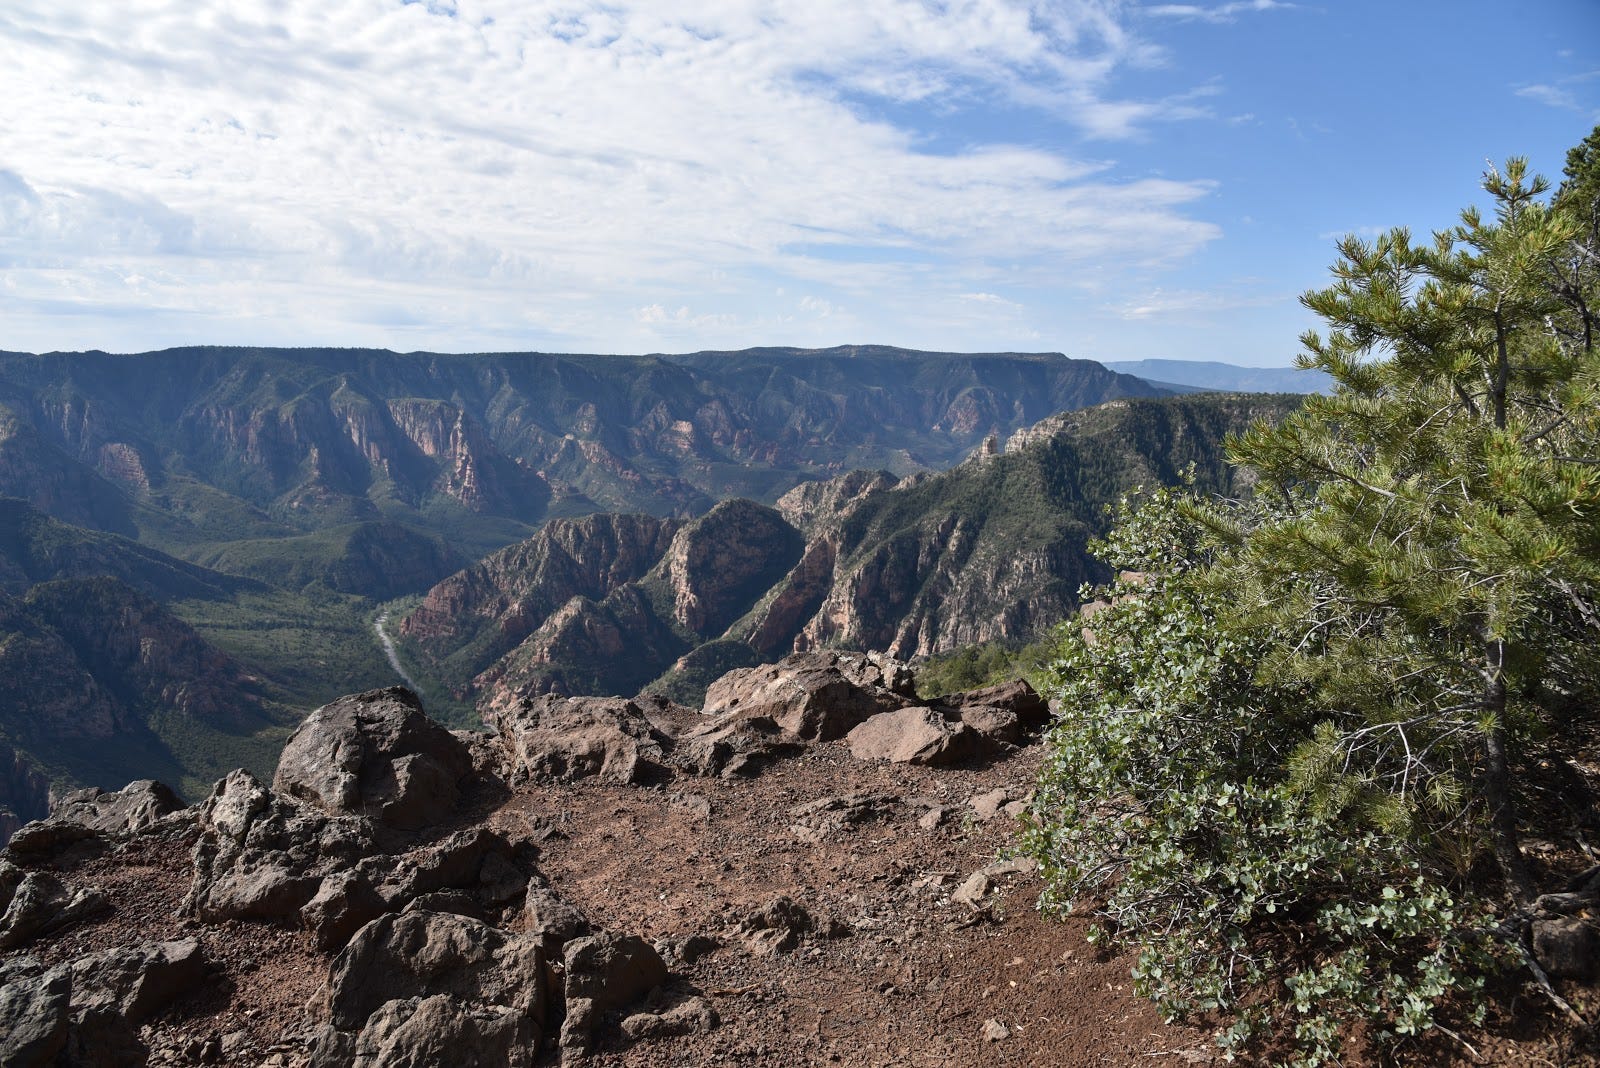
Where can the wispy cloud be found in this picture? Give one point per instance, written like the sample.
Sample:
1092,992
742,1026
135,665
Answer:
558,170
1216,13
1554,96
1194,304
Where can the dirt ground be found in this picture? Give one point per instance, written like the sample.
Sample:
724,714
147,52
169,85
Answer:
901,971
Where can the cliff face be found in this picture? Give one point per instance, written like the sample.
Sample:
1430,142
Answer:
24,791
602,604
99,683
474,617
993,549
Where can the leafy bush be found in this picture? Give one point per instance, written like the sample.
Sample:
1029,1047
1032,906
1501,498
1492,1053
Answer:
1167,802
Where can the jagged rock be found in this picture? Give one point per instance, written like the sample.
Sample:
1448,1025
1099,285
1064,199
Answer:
344,903
113,992
553,921
1008,713
34,1013
1568,947
375,754
135,981
734,745
477,861
427,1032
92,813
605,971
912,736
48,838
568,738
261,857
421,954
693,1016
135,807
38,903
817,696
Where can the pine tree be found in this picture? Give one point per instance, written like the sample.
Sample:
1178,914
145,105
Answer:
1444,540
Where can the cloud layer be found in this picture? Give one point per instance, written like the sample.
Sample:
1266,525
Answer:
564,173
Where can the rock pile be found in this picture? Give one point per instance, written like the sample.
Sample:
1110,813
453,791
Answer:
442,940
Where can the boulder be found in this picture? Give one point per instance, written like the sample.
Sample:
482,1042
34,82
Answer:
604,972
1009,713
734,745
375,754
477,861
134,982
34,1013
912,736
426,1032
612,970
552,921
36,903
134,808
345,902
422,954
261,857
815,696
570,738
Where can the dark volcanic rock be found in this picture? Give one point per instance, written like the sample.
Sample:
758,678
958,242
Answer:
425,988
260,857
570,738
375,754
34,1013
605,972
38,903
129,810
132,982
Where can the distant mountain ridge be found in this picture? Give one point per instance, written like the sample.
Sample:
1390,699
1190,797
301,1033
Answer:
193,449
1226,377
992,549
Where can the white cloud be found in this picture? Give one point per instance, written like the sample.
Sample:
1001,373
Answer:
536,169
1194,304
1218,13
1553,95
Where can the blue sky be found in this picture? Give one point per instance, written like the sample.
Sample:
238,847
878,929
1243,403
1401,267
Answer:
1110,180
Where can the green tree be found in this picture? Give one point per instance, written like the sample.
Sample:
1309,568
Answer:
1454,523
1281,751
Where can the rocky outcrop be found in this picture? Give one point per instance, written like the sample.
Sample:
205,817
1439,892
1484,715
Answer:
261,857
814,697
136,807
34,904
87,1012
374,754
580,737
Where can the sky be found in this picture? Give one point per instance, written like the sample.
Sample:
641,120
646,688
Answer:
1111,180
